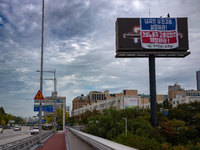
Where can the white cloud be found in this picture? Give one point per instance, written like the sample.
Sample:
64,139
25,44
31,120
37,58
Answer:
79,43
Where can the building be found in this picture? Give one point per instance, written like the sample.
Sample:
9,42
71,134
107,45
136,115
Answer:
198,80
94,96
145,100
79,102
50,100
181,100
121,102
128,98
173,91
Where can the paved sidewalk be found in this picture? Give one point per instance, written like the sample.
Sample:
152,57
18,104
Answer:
56,142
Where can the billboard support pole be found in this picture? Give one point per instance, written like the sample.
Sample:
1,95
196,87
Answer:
152,84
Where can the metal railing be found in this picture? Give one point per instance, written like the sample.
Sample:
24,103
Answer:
25,143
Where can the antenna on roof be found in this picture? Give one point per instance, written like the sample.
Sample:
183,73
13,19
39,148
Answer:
149,12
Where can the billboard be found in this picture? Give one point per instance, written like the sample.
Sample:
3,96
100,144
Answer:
130,102
151,34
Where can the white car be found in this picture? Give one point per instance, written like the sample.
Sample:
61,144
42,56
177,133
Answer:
35,130
1,129
16,129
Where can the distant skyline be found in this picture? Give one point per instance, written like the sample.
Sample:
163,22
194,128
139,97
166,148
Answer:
79,43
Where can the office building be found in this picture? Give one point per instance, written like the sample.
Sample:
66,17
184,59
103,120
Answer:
198,80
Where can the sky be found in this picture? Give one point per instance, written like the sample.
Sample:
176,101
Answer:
79,43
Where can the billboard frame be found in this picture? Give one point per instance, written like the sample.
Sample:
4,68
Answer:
136,50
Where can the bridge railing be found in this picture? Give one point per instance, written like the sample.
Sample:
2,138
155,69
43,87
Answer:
80,140
25,143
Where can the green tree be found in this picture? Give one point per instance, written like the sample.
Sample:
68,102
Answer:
138,142
59,116
3,122
2,111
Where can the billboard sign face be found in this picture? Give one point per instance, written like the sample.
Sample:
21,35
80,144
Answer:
159,33
130,102
151,34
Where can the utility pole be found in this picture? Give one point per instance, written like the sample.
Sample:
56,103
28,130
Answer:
63,116
41,76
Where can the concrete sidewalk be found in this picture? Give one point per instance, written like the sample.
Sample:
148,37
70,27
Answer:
56,142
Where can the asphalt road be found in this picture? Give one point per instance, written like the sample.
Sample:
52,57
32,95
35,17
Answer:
9,135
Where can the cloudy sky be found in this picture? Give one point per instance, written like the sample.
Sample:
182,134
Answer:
79,43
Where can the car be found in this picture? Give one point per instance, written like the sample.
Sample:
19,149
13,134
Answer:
16,129
1,129
35,130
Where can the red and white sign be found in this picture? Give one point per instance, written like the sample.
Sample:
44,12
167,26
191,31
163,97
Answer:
159,33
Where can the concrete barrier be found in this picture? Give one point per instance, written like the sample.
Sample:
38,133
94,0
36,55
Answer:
79,140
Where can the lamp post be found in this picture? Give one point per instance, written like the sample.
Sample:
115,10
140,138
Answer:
41,75
125,124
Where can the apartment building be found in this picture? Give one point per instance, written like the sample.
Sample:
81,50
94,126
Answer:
94,96
173,91
79,102
121,102
186,99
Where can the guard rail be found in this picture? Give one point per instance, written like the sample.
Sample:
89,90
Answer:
26,143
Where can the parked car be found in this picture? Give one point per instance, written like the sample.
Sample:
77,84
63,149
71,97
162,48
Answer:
1,129
35,130
16,129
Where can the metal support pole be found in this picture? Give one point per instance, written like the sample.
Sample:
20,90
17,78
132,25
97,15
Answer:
54,80
54,124
63,116
152,81
41,76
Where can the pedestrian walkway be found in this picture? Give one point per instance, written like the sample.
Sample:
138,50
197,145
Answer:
56,142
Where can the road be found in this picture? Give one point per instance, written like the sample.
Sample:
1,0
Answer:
9,135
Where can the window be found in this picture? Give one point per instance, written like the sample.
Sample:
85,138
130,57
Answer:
174,102
177,102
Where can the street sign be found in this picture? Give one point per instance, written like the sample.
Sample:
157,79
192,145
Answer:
48,108
44,120
165,112
39,96
57,101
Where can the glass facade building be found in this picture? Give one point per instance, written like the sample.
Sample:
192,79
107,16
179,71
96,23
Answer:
198,80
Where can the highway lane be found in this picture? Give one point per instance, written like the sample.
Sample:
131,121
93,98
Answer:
9,135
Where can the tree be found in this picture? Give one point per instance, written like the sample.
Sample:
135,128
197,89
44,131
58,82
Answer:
2,122
2,111
139,142
59,115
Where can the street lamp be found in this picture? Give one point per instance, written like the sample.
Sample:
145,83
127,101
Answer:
125,124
